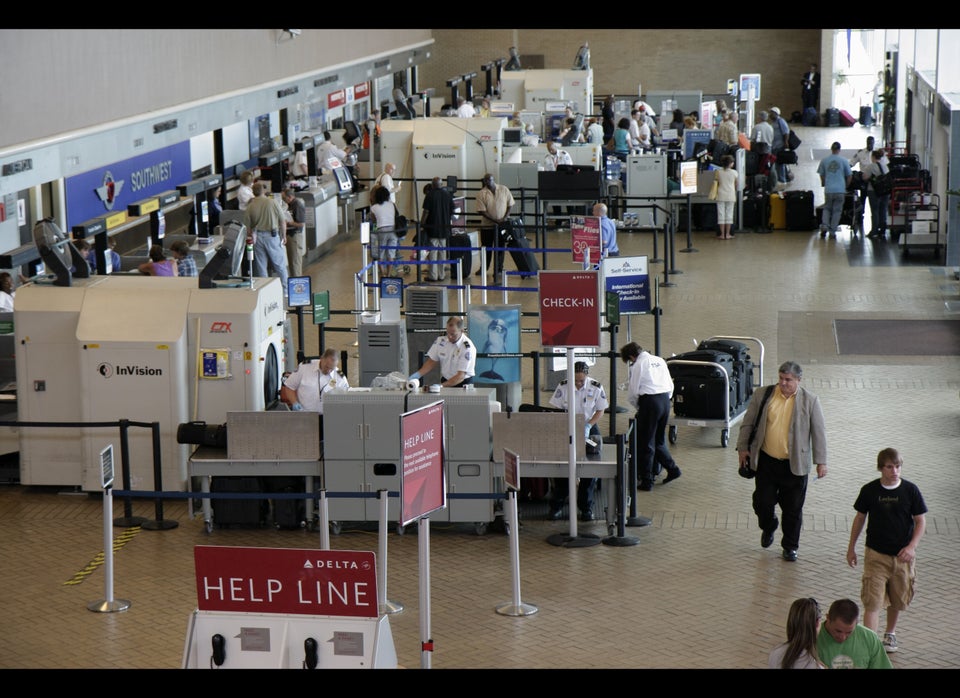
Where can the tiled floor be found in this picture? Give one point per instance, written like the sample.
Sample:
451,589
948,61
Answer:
696,591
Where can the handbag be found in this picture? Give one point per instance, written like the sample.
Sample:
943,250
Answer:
793,140
714,190
882,183
745,471
399,223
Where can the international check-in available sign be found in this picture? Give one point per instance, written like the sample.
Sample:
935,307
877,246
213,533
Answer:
286,580
629,278
570,308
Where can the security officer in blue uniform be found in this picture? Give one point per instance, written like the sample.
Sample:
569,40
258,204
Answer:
590,400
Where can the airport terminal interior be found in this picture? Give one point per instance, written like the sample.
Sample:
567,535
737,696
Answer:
691,589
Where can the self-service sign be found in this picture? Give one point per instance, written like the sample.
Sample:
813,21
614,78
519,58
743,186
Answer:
570,308
286,580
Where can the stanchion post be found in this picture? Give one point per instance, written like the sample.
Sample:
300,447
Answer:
517,607
160,524
128,520
386,606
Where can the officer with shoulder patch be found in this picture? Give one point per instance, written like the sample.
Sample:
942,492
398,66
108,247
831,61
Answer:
456,355
590,400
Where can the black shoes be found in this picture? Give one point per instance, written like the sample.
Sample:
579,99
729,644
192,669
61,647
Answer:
555,514
766,538
672,475
790,554
586,515
645,486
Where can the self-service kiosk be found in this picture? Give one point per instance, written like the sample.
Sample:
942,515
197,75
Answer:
199,215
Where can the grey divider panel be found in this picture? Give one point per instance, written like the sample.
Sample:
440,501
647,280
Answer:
273,435
536,436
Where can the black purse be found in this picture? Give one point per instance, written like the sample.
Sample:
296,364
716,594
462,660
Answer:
745,471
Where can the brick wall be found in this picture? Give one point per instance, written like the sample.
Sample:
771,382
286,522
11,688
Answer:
657,59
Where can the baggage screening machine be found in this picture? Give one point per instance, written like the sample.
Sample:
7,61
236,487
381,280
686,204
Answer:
147,349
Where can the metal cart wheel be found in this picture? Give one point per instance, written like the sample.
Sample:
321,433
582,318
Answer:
335,527
672,434
724,437
480,528
208,526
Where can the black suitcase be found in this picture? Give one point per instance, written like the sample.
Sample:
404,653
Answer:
866,116
698,389
705,216
833,117
755,214
810,117
525,260
288,513
465,256
742,364
799,211
238,512
751,163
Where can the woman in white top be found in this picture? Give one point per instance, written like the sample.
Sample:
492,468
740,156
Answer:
800,649
245,190
384,214
726,178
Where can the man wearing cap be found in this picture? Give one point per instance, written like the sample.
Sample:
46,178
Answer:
455,354
835,175
781,129
590,400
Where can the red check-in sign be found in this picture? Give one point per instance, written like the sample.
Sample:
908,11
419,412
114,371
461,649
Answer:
286,580
570,308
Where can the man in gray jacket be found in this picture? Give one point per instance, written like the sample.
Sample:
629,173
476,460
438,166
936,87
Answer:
790,437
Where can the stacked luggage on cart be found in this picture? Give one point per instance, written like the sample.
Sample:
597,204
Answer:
713,384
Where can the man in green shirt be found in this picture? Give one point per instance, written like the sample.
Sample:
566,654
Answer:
845,644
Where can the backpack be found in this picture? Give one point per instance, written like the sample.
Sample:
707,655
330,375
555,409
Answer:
883,183
399,222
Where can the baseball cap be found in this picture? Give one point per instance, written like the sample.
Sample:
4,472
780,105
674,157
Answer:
775,110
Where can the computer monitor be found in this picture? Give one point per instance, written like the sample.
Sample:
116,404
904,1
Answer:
58,253
228,258
512,135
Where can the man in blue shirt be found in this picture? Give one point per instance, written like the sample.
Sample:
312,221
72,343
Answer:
835,175
608,232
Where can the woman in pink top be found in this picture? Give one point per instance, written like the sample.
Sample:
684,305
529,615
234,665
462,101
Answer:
159,265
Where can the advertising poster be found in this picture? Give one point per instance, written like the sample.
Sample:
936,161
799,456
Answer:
629,278
585,235
495,329
570,308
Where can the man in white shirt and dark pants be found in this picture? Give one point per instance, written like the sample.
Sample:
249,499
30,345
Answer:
650,390
590,400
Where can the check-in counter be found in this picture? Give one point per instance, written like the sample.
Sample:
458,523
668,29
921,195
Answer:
321,204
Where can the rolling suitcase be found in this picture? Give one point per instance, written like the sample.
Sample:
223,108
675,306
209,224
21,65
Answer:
698,389
705,216
833,117
288,513
866,116
238,512
755,211
810,116
778,212
465,256
520,252
742,364
846,119
799,212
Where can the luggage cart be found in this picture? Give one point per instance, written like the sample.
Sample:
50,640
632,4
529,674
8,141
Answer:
731,419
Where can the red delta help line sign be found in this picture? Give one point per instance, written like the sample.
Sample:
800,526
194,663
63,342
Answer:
286,580
570,308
